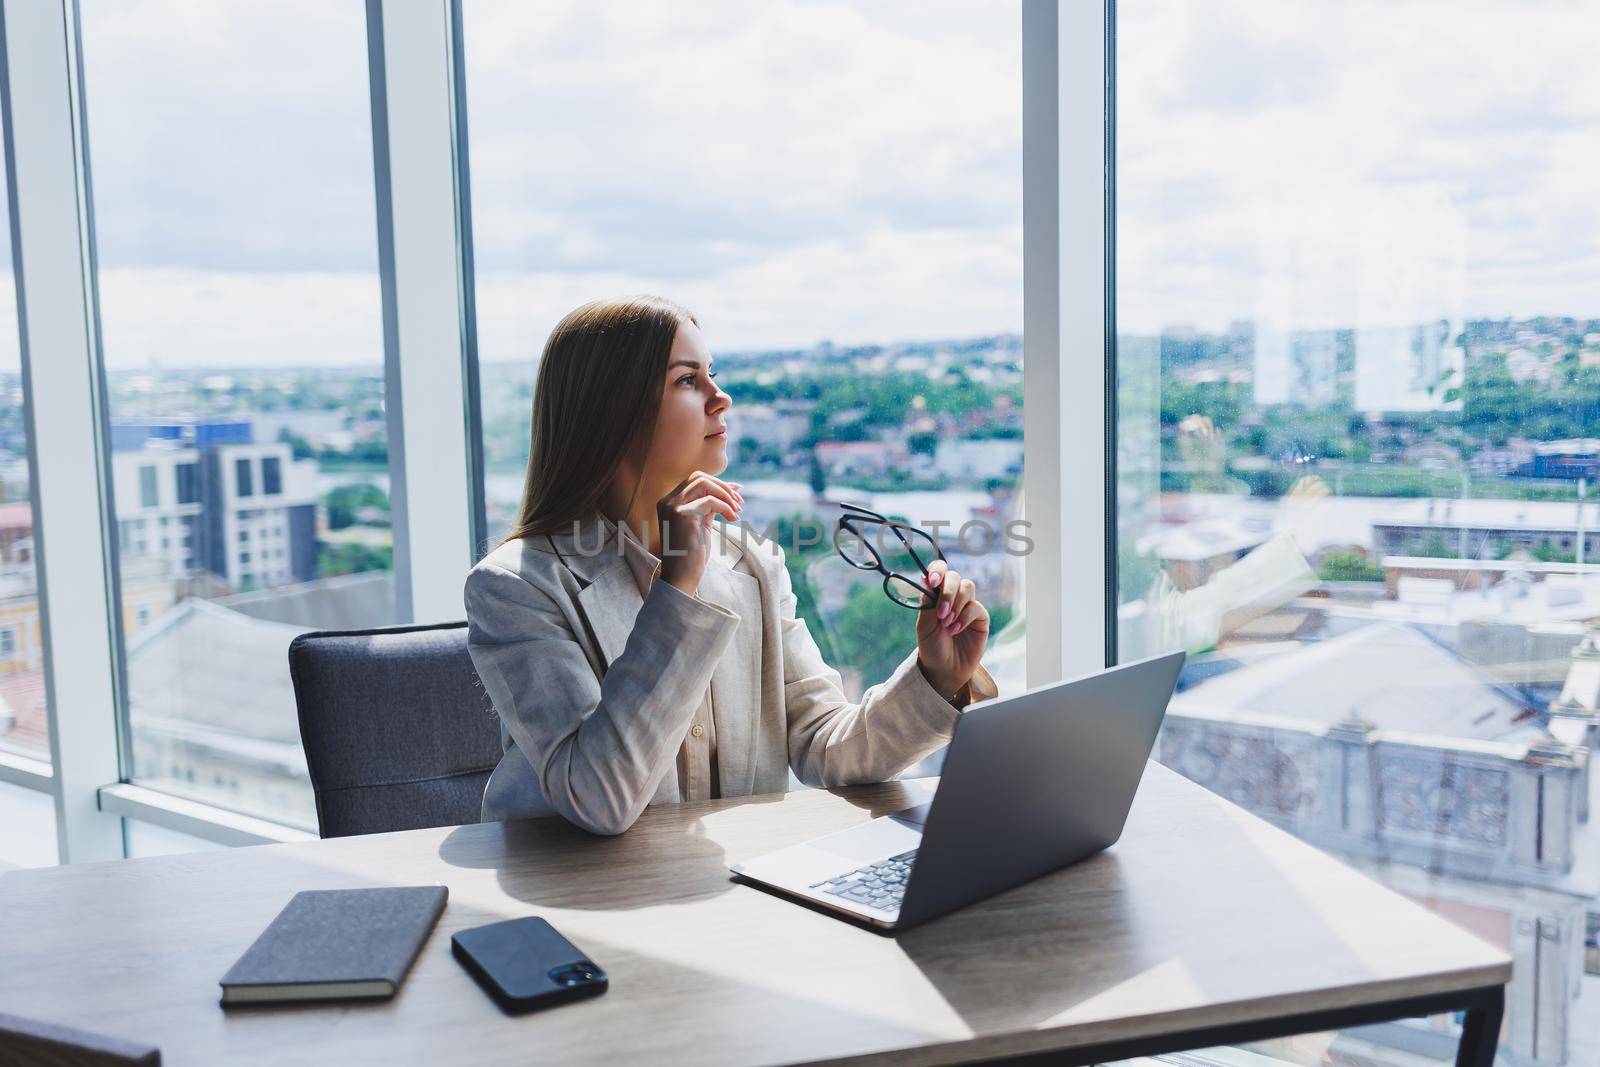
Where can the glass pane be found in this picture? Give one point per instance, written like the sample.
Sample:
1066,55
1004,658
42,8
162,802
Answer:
27,828
24,720
243,344
1359,372
836,193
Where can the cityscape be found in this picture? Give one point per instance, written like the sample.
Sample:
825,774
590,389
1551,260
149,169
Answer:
1386,579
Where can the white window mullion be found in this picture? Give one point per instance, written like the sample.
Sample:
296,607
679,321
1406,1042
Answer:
1066,333
422,249
52,252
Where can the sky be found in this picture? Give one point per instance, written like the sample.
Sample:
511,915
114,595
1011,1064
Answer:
1352,163
798,171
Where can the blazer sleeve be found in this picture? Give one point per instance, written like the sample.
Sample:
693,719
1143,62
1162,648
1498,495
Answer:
834,742
599,747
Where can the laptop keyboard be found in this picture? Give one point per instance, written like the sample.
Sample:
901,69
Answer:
879,885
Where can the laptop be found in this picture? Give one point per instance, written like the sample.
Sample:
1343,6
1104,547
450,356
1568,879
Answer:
1030,784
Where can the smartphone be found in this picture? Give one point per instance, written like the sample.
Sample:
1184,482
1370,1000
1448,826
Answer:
525,964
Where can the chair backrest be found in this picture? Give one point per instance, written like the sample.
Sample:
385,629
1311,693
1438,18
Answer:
398,731
30,1041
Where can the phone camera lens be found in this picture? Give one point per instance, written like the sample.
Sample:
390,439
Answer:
577,973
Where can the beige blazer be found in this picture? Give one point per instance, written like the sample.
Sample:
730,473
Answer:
596,685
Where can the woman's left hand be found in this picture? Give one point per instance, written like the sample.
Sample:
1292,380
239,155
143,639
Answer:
951,636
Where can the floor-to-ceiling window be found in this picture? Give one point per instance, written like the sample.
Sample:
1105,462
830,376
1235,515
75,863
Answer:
234,204
1359,434
27,817
835,192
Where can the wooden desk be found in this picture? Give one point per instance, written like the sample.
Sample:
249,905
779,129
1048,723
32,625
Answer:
1203,926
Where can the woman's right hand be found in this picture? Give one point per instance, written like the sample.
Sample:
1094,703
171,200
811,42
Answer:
685,516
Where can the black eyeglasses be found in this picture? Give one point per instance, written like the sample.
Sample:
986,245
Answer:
860,540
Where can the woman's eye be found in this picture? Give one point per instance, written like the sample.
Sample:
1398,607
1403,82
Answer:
687,379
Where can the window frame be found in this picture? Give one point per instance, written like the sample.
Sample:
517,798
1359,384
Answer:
52,246
1069,336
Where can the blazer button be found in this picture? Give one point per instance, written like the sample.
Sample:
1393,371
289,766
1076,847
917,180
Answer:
698,730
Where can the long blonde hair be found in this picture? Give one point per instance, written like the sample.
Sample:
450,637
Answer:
597,394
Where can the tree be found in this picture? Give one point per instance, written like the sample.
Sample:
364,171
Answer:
1545,553
1434,546
373,449
299,447
798,552
875,633
1349,567
819,480
353,558
343,502
796,558
1223,402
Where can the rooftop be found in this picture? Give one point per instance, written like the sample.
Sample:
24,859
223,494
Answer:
207,665
1530,515
1390,674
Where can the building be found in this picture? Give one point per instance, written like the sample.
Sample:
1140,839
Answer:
1544,592
1525,366
979,459
1409,368
854,459
16,533
1486,529
1299,366
212,711
773,430
1432,455
24,719
1388,749
1570,459
148,591
1504,460
943,512
21,644
206,497
210,700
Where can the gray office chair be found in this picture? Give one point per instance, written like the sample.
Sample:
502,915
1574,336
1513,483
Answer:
398,731
29,1041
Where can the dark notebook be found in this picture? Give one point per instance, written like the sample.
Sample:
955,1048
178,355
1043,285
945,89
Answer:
336,943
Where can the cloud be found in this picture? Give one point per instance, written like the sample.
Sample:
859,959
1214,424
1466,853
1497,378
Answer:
796,171
232,137
1489,111
208,318
933,284
1227,64
631,136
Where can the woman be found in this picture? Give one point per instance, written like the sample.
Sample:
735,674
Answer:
637,652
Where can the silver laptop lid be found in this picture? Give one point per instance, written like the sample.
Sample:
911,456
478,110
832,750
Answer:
1034,782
